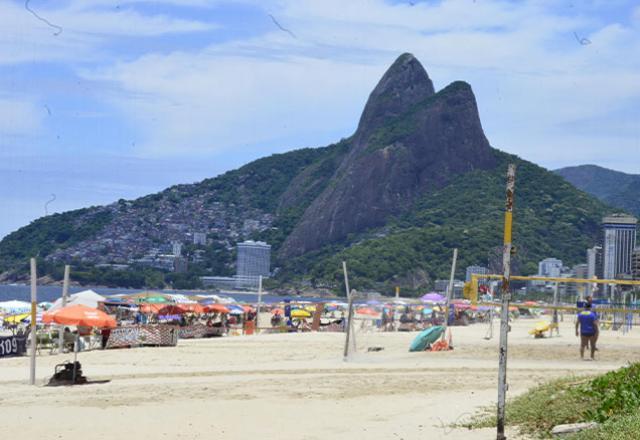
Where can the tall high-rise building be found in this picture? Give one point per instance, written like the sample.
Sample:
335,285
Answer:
254,259
619,244
635,264
550,267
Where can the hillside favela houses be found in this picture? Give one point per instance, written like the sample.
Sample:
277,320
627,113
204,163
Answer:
253,261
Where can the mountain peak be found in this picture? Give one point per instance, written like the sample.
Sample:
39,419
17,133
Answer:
404,84
410,141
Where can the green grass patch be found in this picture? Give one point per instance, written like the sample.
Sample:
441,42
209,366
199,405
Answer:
541,408
611,399
617,428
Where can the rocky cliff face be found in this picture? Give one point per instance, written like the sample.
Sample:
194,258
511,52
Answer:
409,140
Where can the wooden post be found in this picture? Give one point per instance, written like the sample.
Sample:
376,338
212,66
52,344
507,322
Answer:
506,297
348,325
65,294
34,338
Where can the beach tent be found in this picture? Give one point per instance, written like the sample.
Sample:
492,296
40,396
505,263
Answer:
87,298
14,306
426,338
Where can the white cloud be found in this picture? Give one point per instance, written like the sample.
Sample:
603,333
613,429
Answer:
18,116
215,101
529,72
85,29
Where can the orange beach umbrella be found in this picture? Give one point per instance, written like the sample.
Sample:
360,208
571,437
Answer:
79,315
216,308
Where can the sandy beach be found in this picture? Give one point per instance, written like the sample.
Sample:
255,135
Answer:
276,386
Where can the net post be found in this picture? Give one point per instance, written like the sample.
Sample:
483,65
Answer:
449,292
65,293
34,338
506,297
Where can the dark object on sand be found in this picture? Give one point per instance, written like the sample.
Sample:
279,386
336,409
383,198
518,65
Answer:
69,373
375,348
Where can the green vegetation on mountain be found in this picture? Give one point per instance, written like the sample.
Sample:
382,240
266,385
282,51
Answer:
551,218
617,189
46,234
261,183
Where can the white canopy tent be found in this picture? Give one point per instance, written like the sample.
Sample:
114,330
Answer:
87,298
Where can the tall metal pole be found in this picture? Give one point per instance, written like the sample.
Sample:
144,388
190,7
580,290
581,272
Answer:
506,297
65,294
450,291
259,303
34,304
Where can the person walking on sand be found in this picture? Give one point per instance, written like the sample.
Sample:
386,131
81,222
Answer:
587,329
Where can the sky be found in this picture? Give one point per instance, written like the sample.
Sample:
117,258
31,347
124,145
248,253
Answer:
102,100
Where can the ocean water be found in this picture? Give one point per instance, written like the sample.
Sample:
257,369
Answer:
22,292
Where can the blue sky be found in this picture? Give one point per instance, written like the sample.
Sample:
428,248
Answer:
128,97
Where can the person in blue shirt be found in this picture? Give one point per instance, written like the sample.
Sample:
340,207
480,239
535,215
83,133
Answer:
587,329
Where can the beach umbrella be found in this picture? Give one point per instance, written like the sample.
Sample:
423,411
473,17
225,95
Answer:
14,319
45,305
432,297
193,307
235,309
300,313
79,315
277,311
155,299
15,306
150,308
171,309
367,311
179,298
216,308
461,306
118,301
